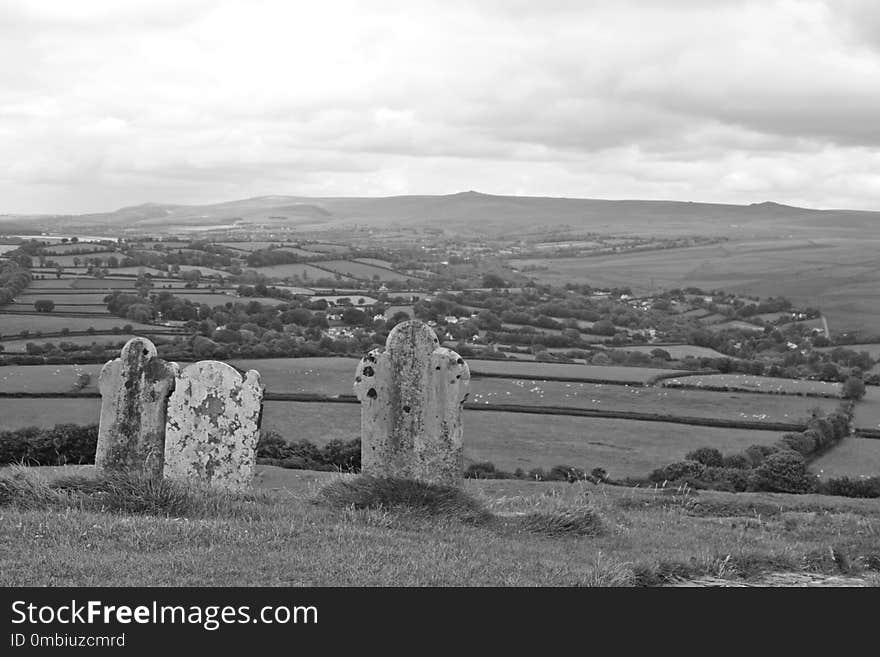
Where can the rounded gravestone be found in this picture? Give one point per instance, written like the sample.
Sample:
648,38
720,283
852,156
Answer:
214,425
134,396
411,393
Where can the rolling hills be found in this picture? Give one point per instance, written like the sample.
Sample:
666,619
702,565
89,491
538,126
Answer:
473,211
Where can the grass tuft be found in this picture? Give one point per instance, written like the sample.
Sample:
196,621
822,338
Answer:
392,493
562,522
20,490
125,494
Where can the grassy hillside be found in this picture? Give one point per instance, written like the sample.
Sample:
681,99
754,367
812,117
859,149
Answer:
503,533
469,211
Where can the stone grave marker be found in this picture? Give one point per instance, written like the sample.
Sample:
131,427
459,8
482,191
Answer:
411,393
214,425
134,397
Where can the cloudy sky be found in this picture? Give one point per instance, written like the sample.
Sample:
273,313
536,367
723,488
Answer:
106,103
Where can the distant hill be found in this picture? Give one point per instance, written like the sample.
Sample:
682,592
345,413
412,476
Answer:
477,213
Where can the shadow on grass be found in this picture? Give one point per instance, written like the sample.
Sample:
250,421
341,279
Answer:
434,501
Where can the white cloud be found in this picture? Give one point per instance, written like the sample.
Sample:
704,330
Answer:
113,103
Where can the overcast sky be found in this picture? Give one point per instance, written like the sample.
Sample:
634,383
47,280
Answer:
106,103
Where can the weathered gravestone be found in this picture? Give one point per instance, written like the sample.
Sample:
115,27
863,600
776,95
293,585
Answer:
134,396
411,393
214,425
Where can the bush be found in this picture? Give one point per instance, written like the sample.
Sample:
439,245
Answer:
848,487
801,443
782,472
61,445
853,388
485,470
736,461
708,456
567,473
273,449
757,453
730,479
679,470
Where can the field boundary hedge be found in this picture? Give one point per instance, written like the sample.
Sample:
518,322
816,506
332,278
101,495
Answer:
723,388
654,380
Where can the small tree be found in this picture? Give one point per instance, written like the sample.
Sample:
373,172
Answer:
44,305
853,388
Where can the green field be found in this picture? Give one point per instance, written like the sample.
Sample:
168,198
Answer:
47,323
335,376
301,252
375,261
62,306
751,407
519,440
302,271
510,440
248,246
43,378
836,271
677,351
327,248
362,270
64,297
867,412
86,283
733,324
20,346
538,370
67,260
764,384
854,457
292,374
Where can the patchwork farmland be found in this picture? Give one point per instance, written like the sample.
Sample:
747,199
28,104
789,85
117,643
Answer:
521,437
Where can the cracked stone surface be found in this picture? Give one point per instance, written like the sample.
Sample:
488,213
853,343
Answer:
411,393
134,397
214,425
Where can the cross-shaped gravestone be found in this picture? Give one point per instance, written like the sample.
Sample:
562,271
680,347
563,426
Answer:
214,425
411,393
134,396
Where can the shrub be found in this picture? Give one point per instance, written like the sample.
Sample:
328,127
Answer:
729,479
271,445
708,456
801,443
273,449
567,473
484,470
782,472
757,453
849,487
61,445
679,470
853,388
737,461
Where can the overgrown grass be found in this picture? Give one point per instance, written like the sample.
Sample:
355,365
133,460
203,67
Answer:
573,522
369,492
124,494
61,531
449,503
